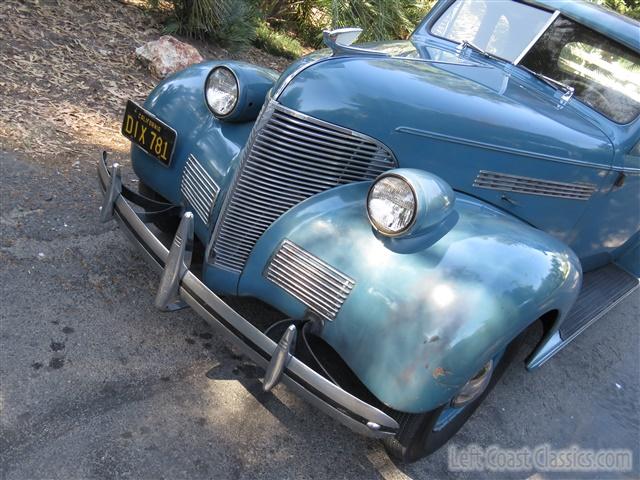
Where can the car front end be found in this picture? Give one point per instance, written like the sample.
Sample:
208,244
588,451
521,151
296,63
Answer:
362,194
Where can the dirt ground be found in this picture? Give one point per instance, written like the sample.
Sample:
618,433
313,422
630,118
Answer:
68,67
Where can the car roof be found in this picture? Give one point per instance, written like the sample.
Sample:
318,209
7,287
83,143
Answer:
618,27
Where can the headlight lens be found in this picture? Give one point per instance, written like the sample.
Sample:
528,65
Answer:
391,205
221,91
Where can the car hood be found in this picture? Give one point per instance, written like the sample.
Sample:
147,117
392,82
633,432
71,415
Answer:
408,94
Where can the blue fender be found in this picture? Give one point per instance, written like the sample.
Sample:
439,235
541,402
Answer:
425,313
179,101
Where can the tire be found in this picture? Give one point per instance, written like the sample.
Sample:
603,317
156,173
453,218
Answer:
166,225
417,438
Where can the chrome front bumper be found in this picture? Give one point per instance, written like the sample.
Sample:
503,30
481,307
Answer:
177,280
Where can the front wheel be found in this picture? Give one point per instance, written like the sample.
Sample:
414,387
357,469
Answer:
422,434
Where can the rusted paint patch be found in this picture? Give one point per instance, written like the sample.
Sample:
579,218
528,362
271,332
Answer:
439,372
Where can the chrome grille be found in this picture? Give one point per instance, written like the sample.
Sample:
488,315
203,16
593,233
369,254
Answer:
533,186
198,188
315,283
289,158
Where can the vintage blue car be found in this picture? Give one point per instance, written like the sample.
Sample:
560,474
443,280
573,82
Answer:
411,207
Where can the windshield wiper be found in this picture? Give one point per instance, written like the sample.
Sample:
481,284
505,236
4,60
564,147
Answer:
568,90
472,46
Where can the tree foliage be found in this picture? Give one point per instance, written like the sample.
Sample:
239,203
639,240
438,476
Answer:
229,22
282,26
630,8
379,19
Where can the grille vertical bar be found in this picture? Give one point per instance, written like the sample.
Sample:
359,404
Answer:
315,283
290,157
198,188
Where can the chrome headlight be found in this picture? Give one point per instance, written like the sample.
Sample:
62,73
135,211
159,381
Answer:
391,205
221,91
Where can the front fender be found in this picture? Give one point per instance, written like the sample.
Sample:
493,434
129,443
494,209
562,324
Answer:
179,101
423,316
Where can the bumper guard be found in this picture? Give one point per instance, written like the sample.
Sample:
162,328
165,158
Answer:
179,286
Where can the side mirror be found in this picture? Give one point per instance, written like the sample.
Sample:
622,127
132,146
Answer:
341,36
340,40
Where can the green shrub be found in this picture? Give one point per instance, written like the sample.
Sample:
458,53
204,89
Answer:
276,42
379,19
630,8
231,23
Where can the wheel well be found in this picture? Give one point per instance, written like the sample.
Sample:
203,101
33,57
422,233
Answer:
537,332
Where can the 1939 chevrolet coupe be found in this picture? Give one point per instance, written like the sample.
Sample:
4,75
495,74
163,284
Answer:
411,207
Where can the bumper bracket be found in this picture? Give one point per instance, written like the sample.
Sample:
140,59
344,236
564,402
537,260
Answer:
178,263
113,191
280,358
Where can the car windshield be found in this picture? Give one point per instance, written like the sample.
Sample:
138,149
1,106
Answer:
604,74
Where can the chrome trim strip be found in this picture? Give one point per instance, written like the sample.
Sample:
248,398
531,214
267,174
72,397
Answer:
533,186
317,390
198,188
544,28
499,148
627,170
289,157
314,282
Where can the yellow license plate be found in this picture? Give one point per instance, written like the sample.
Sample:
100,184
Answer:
148,132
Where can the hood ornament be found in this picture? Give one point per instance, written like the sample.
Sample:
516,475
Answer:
339,41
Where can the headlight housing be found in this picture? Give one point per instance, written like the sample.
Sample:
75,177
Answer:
408,202
391,205
222,91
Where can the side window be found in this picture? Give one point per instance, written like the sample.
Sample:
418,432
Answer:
604,74
608,79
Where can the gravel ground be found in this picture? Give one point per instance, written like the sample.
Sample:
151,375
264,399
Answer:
97,384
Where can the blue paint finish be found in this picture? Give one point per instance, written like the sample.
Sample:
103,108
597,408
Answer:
445,120
420,322
630,257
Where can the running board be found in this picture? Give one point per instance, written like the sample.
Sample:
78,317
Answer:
602,289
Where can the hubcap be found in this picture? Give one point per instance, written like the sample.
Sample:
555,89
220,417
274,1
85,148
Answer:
474,387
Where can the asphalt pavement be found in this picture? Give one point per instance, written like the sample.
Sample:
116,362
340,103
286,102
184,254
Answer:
95,383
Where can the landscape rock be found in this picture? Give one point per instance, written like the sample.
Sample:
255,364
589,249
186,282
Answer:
167,55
